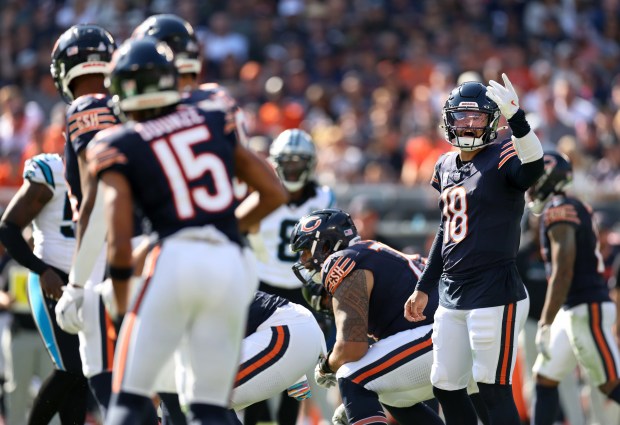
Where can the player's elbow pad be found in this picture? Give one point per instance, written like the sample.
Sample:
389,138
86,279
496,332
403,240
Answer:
528,147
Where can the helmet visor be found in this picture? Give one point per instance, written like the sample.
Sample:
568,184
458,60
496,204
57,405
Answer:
468,123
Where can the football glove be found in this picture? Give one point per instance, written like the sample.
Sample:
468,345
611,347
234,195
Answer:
300,391
340,416
505,96
324,379
68,314
543,340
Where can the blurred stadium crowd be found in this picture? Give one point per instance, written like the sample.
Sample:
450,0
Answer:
367,78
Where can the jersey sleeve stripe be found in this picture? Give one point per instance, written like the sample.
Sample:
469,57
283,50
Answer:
98,111
508,145
506,158
561,214
341,268
99,127
102,118
507,151
47,172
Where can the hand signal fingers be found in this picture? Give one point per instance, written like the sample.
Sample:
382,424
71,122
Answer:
507,83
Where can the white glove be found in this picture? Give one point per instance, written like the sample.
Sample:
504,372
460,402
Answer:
340,416
325,380
68,309
543,340
106,291
505,96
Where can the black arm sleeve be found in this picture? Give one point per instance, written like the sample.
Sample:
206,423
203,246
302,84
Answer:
434,267
518,124
525,175
12,238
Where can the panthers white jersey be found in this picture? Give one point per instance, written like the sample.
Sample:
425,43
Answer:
53,231
275,258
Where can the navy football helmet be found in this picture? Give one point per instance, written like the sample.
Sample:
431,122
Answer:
293,155
179,35
143,76
322,232
557,175
470,119
82,49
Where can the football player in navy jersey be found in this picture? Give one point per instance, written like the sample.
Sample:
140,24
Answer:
177,165
364,285
80,59
482,301
576,323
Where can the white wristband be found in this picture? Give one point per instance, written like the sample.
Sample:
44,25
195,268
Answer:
528,147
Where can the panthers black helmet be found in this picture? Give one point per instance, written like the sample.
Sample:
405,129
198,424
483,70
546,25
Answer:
82,49
557,175
470,119
143,76
179,35
322,232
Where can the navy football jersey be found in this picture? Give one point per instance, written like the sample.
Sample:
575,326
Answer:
395,276
482,202
179,167
262,308
588,283
86,116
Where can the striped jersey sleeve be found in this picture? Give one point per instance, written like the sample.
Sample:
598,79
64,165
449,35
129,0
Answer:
86,118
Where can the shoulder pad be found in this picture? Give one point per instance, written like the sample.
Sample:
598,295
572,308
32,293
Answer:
44,169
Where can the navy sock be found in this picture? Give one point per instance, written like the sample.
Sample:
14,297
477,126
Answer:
615,394
456,406
418,414
546,405
131,409
101,386
172,414
500,404
360,404
481,408
208,414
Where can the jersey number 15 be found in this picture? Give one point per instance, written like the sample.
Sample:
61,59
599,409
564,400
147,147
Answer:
185,166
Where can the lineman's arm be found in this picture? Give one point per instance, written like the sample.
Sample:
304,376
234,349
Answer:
351,304
563,253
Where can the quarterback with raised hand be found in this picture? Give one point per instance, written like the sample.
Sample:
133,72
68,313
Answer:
482,300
